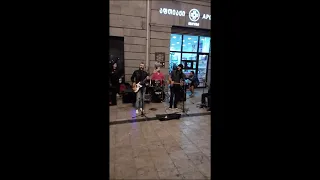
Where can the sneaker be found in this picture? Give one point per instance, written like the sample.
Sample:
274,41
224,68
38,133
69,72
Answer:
141,110
137,111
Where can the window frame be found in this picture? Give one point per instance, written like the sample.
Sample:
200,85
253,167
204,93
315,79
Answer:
197,53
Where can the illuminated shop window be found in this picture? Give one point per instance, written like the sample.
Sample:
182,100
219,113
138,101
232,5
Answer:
191,51
189,56
174,60
175,42
190,43
204,44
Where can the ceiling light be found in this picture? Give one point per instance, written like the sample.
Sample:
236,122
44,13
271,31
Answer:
174,37
183,45
189,43
177,42
194,41
189,38
202,39
173,44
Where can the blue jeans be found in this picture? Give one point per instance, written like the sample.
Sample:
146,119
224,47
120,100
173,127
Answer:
140,97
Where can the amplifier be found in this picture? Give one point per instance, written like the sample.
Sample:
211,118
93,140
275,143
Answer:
128,96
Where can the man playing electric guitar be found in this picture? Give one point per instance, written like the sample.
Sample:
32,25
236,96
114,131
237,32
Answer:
138,79
175,79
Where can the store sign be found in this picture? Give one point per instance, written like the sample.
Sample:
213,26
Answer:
194,15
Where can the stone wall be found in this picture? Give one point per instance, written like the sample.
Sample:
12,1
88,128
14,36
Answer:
128,20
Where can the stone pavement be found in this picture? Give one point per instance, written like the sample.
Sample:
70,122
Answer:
122,112
175,149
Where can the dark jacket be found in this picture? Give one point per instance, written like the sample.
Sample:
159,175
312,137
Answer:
176,76
114,77
209,91
194,80
139,76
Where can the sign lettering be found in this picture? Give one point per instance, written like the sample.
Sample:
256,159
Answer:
194,15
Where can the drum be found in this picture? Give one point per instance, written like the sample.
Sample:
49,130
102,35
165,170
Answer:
158,94
157,83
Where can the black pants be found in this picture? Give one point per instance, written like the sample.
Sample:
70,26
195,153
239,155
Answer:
175,92
203,98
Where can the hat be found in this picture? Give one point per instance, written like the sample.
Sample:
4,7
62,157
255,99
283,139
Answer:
180,65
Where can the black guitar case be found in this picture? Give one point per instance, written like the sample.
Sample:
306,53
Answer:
166,117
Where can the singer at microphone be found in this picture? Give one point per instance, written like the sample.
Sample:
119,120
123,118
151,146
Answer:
175,79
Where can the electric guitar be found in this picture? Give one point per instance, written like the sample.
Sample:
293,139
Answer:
180,83
137,87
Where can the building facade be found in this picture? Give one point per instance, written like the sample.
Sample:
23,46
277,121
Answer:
179,29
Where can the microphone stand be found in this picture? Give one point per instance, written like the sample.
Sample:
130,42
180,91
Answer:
142,99
142,102
142,112
183,99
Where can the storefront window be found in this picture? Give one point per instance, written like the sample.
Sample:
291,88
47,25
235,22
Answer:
194,55
175,42
189,56
190,43
174,61
204,44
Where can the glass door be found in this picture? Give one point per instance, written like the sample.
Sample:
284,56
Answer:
202,69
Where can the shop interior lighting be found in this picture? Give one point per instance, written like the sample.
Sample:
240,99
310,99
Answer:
174,37
189,38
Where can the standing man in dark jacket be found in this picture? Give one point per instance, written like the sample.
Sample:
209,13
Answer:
175,79
206,95
139,76
115,77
